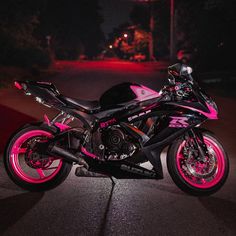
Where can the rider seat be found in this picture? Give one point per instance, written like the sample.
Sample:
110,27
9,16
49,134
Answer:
40,89
86,106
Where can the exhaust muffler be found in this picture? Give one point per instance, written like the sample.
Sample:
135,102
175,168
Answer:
58,151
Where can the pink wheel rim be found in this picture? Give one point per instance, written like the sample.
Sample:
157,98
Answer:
220,166
16,157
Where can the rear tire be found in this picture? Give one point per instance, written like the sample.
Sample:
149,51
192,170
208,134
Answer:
193,182
16,162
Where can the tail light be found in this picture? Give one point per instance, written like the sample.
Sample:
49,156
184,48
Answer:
21,85
18,85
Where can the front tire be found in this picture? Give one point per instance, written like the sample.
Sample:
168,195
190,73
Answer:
196,177
27,172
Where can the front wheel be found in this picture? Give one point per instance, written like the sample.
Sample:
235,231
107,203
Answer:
29,169
194,175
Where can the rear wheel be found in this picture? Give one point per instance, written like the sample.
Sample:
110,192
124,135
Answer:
29,169
194,175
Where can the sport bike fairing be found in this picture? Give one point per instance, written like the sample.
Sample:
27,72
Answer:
124,105
128,126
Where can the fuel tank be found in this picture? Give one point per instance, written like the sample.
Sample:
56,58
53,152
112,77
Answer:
124,93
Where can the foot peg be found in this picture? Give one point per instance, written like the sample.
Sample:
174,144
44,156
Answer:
83,172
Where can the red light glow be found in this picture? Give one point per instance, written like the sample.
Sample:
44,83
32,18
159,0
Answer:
17,85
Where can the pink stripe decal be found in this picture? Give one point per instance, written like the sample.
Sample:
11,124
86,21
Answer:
150,107
46,120
213,115
84,151
143,93
61,126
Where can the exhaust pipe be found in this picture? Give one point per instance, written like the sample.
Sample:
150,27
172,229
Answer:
55,150
81,171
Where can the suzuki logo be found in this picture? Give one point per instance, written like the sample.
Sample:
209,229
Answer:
178,122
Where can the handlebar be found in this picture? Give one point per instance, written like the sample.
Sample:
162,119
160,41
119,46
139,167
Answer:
177,91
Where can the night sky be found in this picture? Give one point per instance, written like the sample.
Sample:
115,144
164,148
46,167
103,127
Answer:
115,12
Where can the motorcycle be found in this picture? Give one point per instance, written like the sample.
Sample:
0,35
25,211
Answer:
113,137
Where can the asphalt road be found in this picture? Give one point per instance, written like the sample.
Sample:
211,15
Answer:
88,206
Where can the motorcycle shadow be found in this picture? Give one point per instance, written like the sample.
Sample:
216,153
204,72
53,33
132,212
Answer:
222,209
15,207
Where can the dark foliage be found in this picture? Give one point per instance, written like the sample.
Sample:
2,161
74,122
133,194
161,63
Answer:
73,27
207,29
140,15
18,44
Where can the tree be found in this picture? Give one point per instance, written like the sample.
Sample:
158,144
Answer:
75,26
136,41
207,27
140,15
18,45
141,40
26,26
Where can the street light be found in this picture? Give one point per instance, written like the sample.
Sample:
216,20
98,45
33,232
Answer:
125,35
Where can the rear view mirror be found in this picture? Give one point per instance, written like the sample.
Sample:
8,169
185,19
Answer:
186,70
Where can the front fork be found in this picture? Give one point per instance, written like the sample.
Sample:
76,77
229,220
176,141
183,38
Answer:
196,138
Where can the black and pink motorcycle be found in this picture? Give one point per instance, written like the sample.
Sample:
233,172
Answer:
115,136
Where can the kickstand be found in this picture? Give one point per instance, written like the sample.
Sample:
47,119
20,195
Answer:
112,180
